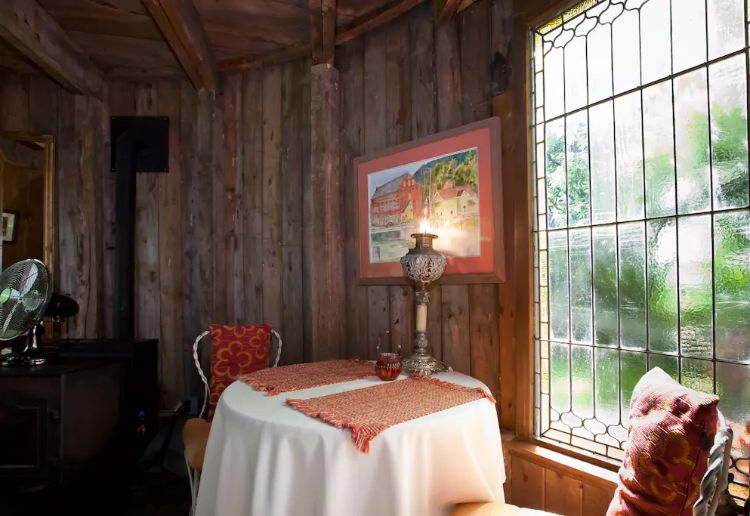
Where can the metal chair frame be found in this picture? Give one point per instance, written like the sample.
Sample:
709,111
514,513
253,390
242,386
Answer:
194,476
716,479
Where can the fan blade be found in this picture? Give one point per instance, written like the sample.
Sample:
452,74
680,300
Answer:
28,279
32,301
9,318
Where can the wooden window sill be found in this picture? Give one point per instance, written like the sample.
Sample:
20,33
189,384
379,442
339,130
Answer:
554,460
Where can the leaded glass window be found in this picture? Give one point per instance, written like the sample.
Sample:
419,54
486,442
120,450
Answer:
641,227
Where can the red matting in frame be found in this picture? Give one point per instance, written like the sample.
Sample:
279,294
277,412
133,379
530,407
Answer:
484,136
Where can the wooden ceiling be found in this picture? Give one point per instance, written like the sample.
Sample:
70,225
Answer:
150,38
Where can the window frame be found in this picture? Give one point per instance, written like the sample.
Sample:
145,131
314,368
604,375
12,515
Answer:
525,23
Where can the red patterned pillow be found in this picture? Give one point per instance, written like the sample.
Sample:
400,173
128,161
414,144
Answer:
670,431
235,350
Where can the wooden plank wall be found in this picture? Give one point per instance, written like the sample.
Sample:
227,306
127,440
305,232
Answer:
218,238
36,104
405,80
536,484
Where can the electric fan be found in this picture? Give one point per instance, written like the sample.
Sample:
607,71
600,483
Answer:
24,295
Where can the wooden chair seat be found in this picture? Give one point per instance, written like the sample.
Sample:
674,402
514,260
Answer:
494,509
195,437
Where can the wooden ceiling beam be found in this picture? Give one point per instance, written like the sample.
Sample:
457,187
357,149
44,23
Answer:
181,26
273,57
33,32
364,26
322,30
444,9
290,53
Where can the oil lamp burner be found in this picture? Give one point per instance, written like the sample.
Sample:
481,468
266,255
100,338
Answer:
423,265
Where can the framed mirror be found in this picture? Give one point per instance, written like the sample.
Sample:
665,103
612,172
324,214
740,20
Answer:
27,198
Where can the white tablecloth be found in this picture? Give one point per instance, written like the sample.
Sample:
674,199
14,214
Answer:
266,459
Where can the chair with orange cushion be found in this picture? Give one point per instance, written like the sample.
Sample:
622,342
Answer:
235,350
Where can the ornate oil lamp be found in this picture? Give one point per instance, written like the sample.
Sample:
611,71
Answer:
423,265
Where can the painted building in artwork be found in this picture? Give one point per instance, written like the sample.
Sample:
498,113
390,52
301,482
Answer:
396,202
455,202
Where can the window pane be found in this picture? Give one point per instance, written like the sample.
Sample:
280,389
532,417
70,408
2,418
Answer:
599,48
655,41
578,168
632,274
602,163
605,285
688,33
646,193
607,386
553,77
691,123
626,52
558,285
729,132
580,284
633,366
583,384
662,285
698,374
658,143
629,157
732,284
557,206
560,370
726,30
667,364
575,74
694,248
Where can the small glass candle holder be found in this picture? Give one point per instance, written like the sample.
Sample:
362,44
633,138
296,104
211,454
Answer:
388,365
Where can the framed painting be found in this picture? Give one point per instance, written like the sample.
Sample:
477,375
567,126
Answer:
9,226
448,184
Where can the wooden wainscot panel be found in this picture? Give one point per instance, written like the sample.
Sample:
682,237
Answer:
526,483
541,478
596,499
562,494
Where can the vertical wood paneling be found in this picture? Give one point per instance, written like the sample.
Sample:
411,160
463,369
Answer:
327,277
596,500
350,63
252,213
454,298
526,484
398,130
172,348
193,206
292,132
272,262
420,78
147,300
378,323
475,86
229,177
562,494
424,123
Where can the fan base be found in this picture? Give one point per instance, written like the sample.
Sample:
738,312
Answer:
32,357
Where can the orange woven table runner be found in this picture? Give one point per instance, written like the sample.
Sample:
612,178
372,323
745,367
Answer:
306,376
368,411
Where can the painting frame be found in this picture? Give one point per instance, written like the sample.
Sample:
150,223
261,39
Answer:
483,137
9,226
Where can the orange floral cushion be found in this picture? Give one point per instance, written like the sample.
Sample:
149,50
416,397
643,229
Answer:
670,432
235,350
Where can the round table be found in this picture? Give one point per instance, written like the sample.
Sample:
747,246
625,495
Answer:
266,459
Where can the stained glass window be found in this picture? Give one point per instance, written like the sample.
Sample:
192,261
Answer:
642,220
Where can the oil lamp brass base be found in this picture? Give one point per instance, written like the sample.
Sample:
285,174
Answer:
422,363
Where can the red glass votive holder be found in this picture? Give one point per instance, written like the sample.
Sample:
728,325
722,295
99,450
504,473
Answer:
388,366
